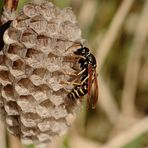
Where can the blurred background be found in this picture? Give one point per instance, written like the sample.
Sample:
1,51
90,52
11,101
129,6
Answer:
117,34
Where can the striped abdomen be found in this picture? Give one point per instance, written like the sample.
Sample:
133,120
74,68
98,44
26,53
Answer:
78,91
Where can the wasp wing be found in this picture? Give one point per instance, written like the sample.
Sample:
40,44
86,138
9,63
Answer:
96,90
89,83
3,28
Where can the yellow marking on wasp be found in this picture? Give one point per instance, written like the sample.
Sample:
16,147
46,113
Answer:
73,95
76,93
82,91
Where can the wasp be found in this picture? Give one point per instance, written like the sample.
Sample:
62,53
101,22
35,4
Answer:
88,77
3,28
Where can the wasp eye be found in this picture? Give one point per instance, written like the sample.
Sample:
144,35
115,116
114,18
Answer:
83,51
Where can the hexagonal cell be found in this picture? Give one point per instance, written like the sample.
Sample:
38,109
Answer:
59,92
27,103
1,102
42,88
12,120
61,76
32,116
21,21
4,77
39,72
54,126
14,130
21,16
61,47
13,34
30,10
11,108
2,59
40,96
8,92
37,18
57,98
70,31
57,74
38,26
51,55
28,70
28,38
43,137
47,103
48,11
26,83
60,127
29,131
18,65
45,125
58,112
2,113
71,59
32,53
54,63
43,41
30,119
17,50
8,61
52,29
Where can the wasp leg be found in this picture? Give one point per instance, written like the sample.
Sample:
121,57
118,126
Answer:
70,74
70,83
74,74
81,72
74,82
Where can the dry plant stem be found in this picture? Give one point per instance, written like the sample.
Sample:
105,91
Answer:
88,9
105,47
2,135
107,101
43,145
9,10
117,142
11,5
14,142
77,141
112,33
131,76
55,143
130,134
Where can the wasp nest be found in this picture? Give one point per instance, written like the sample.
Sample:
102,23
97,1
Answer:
38,55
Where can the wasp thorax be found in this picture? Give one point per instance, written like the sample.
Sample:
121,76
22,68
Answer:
38,55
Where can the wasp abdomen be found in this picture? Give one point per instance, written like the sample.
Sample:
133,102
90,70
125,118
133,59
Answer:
78,92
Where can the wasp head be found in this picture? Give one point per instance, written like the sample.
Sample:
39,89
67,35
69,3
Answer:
82,51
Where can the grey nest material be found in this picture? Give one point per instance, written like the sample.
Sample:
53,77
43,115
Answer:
38,55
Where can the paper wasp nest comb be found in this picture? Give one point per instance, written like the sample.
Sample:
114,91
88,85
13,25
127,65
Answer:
36,57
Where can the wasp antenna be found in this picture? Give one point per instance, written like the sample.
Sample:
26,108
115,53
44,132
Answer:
74,45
